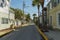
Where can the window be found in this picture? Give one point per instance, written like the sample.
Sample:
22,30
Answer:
1,4
3,1
4,4
58,1
59,18
55,4
4,21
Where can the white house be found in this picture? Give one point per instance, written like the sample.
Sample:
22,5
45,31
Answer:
6,16
11,17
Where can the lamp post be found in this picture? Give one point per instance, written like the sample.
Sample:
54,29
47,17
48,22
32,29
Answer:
45,19
45,15
42,4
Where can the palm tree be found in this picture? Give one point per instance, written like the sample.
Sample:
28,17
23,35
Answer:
34,18
37,3
34,15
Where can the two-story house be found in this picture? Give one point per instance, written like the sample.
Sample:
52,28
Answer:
53,13
6,15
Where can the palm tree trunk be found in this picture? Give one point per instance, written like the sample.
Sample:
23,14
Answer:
42,15
38,14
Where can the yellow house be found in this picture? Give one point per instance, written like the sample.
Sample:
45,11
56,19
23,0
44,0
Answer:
53,13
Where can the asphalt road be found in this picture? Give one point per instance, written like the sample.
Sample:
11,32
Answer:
25,33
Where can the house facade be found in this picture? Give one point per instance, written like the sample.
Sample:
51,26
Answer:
11,17
5,14
53,13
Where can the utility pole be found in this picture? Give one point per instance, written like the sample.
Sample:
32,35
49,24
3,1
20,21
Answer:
23,8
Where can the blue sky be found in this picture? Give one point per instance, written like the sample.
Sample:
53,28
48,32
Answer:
30,9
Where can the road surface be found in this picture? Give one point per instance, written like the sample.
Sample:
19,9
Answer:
24,33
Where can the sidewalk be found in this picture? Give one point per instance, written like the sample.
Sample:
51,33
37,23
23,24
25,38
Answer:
53,35
4,32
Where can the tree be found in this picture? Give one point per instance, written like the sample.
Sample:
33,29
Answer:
37,3
18,13
34,15
28,17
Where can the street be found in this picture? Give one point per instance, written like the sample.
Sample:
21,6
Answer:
24,33
29,19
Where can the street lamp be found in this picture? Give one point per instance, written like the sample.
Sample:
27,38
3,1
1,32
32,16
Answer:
43,19
42,4
45,15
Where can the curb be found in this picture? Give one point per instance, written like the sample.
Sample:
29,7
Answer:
43,35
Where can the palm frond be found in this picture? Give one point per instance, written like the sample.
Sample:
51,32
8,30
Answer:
36,2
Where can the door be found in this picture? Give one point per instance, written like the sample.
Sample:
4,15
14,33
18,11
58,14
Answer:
50,22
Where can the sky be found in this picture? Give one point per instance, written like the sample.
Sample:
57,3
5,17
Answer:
28,6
